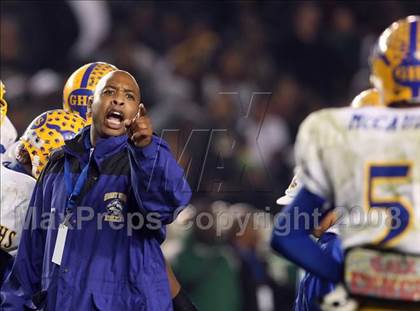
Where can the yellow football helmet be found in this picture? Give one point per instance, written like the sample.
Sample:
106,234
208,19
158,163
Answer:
47,132
81,85
3,103
395,62
369,97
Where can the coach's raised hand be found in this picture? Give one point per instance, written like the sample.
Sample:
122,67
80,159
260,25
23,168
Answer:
140,129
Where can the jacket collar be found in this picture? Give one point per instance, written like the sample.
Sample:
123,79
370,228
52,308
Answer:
80,146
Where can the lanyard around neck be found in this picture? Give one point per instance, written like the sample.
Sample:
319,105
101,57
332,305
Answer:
73,192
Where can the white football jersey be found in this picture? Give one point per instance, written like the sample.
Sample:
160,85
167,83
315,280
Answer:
15,193
8,134
11,152
366,162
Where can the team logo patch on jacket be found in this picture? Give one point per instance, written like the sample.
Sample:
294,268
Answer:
115,207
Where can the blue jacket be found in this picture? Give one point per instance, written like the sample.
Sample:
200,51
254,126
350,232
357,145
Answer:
103,267
312,288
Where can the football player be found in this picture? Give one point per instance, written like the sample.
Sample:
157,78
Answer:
367,162
81,85
8,131
311,288
46,132
367,98
77,90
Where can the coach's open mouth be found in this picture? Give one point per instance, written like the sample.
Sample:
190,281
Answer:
114,119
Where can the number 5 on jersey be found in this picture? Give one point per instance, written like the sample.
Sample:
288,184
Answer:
389,186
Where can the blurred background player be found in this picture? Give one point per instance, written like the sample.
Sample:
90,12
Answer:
78,88
312,288
373,170
46,132
8,132
367,98
81,85
8,136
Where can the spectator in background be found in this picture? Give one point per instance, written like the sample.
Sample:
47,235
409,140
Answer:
304,51
136,57
11,49
220,158
253,38
265,132
344,42
266,136
288,102
231,75
94,21
45,32
206,266
178,75
260,292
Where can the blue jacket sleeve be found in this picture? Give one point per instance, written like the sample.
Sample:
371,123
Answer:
291,237
25,277
158,182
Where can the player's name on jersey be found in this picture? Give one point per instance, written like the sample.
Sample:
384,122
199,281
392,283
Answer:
385,122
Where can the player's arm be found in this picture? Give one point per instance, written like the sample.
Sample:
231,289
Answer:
291,236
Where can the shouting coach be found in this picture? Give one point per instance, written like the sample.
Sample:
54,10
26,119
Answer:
98,213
